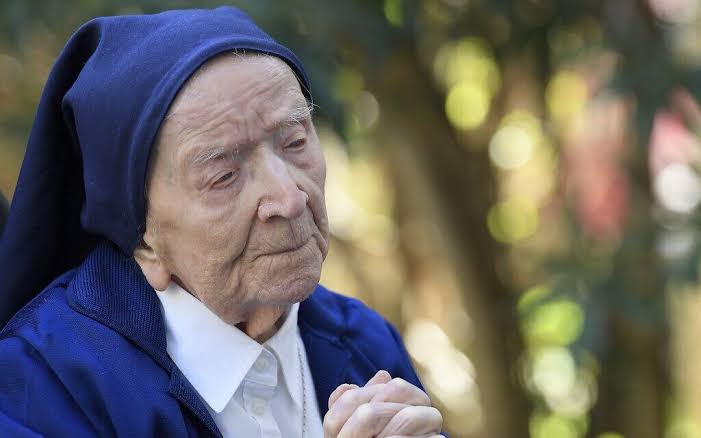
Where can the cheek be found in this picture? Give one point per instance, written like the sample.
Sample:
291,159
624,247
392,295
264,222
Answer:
316,169
222,229
204,240
317,177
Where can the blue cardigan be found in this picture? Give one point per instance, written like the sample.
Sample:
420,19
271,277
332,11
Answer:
88,356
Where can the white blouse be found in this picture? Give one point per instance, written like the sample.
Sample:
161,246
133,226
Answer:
251,390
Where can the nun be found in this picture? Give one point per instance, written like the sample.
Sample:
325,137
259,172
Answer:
160,261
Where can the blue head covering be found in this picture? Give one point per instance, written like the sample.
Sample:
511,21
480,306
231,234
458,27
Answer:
83,175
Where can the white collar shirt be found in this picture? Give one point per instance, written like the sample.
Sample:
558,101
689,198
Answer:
251,390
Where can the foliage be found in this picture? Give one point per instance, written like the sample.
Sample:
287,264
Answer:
513,182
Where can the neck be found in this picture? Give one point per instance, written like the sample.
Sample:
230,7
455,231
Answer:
262,324
259,324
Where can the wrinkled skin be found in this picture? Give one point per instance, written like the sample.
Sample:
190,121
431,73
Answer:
246,231
382,408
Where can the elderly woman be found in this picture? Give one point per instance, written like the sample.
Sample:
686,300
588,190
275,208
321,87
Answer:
169,229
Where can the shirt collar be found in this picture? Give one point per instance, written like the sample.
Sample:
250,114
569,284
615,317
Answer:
215,356
285,344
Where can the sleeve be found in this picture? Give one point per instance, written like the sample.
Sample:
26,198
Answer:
33,401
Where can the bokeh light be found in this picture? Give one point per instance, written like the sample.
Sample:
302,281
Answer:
556,322
393,12
513,220
514,143
554,371
466,69
566,95
467,105
448,372
676,11
678,188
511,147
553,426
610,435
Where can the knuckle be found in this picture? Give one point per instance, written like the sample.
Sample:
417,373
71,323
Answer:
407,415
399,382
332,424
435,417
399,387
349,397
435,413
365,412
342,389
424,399
331,428
412,416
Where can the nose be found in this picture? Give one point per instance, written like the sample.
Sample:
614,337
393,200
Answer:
280,194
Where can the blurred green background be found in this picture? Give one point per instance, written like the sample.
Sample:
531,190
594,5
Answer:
514,183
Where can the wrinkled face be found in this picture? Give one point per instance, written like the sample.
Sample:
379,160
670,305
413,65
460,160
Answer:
236,188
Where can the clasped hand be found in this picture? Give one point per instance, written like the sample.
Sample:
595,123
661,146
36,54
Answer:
383,408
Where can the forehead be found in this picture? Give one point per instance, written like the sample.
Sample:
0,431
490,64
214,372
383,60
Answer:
234,89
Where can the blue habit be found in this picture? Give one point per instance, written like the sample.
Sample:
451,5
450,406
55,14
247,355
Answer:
87,357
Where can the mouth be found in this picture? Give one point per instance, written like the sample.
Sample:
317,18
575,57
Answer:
288,249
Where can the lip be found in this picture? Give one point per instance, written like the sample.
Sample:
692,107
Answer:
287,250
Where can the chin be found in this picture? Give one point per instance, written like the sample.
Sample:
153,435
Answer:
298,288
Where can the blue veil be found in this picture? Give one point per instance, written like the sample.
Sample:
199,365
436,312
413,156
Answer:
83,175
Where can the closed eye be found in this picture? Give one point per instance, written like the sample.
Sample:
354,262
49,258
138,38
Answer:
297,144
223,180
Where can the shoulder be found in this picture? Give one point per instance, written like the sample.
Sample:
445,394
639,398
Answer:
29,382
59,366
54,329
341,316
373,342
39,317
67,341
71,341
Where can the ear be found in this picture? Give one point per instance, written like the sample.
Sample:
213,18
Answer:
153,266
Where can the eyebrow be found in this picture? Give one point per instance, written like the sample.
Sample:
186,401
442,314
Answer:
298,114
212,154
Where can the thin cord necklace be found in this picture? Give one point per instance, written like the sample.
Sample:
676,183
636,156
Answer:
304,390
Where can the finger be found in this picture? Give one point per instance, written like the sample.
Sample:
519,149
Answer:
369,419
413,421
381,376
339,392
399,390
345,405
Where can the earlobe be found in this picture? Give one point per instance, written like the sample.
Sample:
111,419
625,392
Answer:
152,266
